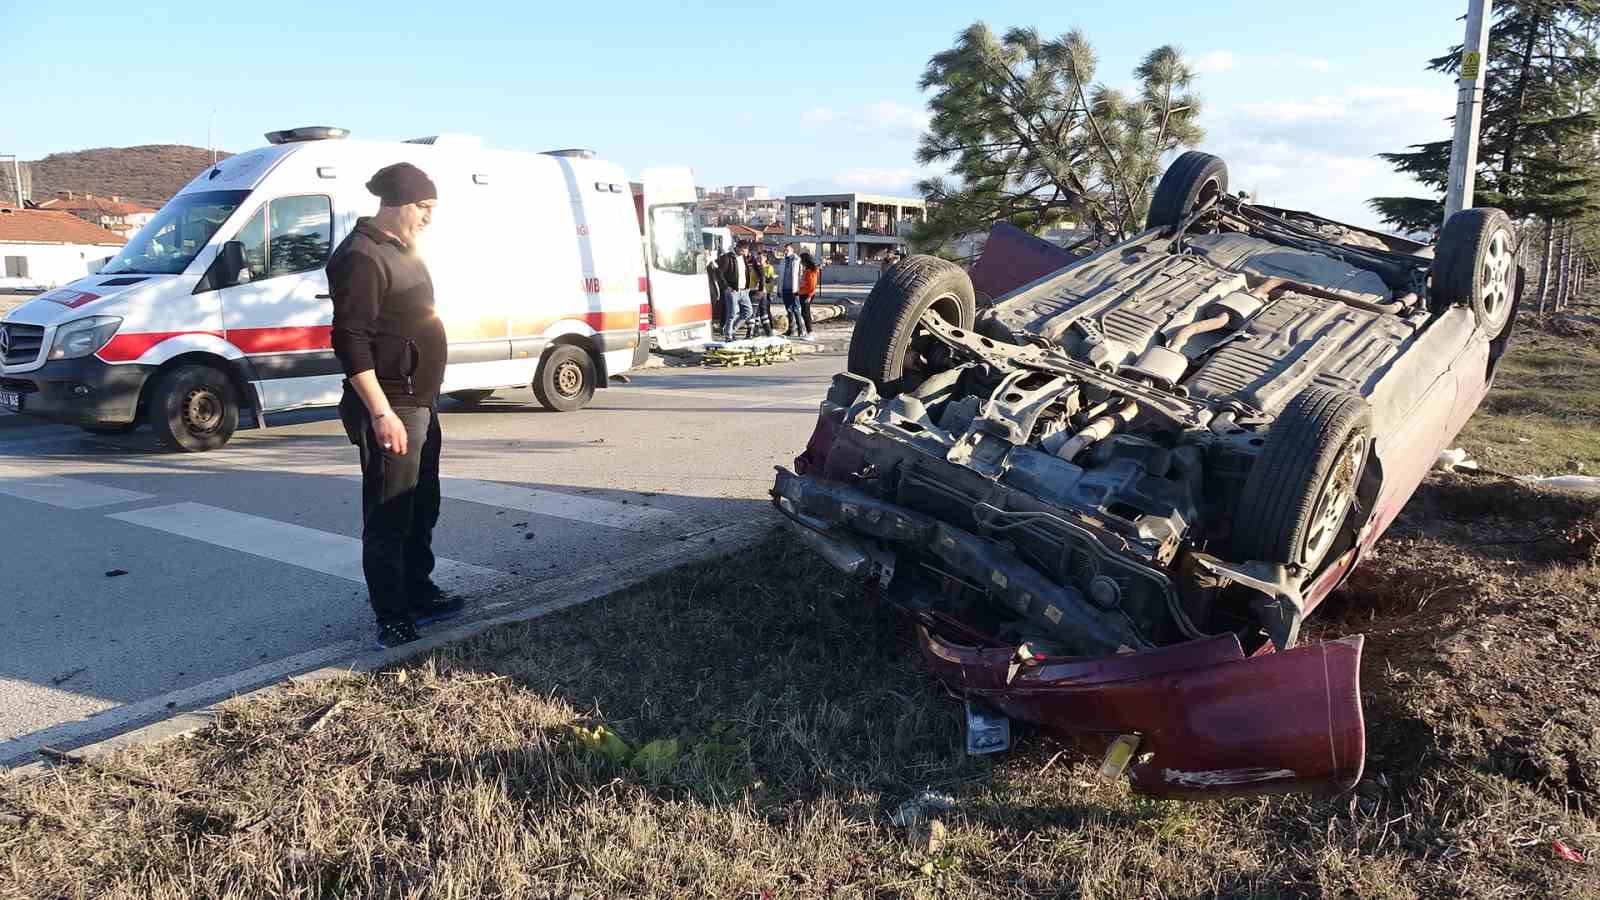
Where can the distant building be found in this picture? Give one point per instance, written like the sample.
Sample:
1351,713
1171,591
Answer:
747,192
111,213
852,229
44,247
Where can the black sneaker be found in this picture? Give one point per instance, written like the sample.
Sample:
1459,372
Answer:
393,634
432,603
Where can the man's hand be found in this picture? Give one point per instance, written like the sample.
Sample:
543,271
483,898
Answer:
386,425
391,433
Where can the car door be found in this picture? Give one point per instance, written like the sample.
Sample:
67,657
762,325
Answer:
282,316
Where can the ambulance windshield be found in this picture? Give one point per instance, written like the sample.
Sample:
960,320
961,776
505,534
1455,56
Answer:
176,235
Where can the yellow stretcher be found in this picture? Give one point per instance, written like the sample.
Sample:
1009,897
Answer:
762,351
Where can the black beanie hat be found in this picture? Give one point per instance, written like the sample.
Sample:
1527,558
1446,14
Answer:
402,183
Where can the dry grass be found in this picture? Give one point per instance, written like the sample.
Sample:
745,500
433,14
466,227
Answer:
1543,416
803,719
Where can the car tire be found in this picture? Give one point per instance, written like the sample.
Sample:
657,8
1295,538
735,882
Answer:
1475,264
108,430
470,398
1304,483
194,408
566,379
1193,179
886,331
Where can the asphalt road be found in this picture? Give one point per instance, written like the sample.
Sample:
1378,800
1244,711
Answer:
242,565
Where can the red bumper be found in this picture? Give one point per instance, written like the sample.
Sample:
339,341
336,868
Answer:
1212,721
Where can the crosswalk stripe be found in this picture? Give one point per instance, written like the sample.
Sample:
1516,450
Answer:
68,493
573,507
297,545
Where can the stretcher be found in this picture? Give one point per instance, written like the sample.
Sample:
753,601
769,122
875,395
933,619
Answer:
762,351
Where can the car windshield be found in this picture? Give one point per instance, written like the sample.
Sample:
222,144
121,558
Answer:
675,238
174,237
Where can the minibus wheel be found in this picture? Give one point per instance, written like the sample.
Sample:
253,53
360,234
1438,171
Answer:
566,379
194,408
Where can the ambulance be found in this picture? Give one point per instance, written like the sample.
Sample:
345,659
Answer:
551,271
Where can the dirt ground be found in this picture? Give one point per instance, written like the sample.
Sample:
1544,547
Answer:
752,726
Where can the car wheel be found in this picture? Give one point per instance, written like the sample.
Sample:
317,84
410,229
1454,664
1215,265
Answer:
1303,485
194,408
110,429
470,398
1192,181
889,345
565,380
1475,264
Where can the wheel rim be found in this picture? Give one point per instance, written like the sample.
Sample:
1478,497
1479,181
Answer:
202,411
1334,500
922,348
1497,264
568,379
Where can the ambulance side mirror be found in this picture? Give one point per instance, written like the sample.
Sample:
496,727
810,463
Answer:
232,268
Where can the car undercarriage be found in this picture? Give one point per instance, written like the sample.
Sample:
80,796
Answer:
1170,450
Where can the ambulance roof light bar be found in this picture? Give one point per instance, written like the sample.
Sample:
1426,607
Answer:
308,133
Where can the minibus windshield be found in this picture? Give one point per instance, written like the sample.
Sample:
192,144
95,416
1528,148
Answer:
175,236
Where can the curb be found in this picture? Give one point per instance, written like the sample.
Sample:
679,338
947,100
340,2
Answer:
708,544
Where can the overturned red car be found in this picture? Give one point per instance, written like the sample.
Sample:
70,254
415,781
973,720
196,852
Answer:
1109,496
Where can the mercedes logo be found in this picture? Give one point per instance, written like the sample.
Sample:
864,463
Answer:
5,342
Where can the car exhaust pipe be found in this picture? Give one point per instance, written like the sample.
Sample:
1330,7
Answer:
1097,430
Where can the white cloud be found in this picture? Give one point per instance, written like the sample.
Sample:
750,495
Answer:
1311,63
1216,61
817,116
1320,152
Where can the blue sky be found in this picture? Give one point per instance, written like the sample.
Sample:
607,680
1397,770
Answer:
797,96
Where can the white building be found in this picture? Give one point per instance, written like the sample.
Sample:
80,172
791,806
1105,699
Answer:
44,248
852,229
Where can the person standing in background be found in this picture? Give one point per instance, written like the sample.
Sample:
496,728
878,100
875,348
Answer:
719,303
789,289
810,277
736,274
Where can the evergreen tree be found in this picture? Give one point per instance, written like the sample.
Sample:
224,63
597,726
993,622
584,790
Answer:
1033,140
1541,61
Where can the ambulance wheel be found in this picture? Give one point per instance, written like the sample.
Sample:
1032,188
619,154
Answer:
470,398
194,408
566,379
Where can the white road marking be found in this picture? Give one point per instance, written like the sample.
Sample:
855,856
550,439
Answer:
68,493
307,548
124,714
573,507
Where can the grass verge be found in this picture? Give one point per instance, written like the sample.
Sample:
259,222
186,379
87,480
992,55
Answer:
749,726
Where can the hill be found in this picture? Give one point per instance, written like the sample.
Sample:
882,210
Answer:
146,174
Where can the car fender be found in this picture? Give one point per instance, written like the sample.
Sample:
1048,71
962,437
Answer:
155,348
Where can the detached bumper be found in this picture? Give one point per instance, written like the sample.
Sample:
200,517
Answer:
80,391
1215,722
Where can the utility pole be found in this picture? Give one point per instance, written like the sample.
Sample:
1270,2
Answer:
1469,108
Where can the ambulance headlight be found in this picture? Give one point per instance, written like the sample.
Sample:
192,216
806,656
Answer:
75,340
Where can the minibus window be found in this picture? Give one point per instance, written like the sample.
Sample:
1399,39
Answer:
302,234
674,238
176,235
254,238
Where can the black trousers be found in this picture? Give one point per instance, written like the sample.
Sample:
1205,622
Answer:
399,506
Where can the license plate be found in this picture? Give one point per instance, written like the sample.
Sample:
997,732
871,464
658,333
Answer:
685,334
988,730
11,400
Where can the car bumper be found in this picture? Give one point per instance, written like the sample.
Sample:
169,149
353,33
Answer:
1208,720
80,391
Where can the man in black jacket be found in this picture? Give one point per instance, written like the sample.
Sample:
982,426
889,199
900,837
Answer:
392,347
737,277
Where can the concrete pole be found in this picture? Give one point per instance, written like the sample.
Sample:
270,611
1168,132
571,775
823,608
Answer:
855,229
818,229
1469,108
